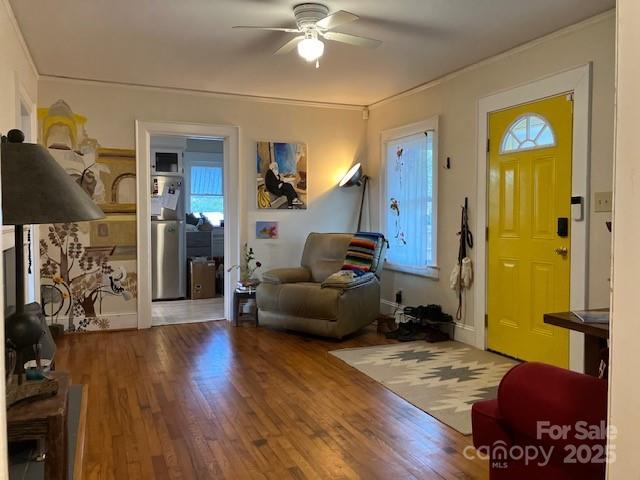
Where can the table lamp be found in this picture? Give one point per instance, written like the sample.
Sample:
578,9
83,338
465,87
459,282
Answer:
355,177
35,190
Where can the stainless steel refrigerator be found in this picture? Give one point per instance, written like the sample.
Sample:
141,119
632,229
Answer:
168,241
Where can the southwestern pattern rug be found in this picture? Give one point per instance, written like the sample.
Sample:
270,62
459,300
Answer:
442,379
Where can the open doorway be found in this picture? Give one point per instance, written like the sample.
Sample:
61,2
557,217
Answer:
187,228
186,169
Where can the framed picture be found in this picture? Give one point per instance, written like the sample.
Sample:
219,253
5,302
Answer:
119,179
266,230
281,181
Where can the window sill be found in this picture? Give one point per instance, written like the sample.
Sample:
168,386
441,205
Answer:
428,272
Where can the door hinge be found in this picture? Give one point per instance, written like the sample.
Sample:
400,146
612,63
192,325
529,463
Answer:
570,97
486,320
488,145
486,233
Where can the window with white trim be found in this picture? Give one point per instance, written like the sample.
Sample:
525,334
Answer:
409,203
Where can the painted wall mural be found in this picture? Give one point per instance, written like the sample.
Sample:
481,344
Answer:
88,269
79,278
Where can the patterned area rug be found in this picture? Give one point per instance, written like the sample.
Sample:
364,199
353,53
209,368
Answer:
443,379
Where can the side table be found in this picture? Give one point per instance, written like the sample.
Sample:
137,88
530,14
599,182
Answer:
44,419
240,296
595,338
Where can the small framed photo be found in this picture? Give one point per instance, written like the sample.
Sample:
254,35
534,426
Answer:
266,230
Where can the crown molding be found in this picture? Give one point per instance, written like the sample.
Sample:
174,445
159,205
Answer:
21,40
601,17
205,93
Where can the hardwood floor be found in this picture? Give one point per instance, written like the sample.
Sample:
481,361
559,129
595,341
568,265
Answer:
208,401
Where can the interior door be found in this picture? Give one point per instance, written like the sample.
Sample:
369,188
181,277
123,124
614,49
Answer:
529,240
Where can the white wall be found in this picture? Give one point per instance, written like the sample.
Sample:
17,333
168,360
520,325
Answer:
624,389
455,99
16,68
335,139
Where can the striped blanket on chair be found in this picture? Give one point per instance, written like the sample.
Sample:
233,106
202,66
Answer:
363,251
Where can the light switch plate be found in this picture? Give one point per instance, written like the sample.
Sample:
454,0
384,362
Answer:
603,201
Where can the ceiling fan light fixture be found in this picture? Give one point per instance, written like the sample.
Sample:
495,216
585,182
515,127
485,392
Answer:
314,25
311,49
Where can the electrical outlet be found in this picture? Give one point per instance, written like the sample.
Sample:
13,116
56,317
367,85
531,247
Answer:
603,201
399,297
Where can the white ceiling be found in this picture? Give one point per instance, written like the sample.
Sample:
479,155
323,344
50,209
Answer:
190,44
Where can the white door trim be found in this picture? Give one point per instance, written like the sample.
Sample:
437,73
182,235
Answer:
578,81
231,137
23,99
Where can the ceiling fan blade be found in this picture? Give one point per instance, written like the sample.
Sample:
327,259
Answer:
352,39
289,46
273,29
336,19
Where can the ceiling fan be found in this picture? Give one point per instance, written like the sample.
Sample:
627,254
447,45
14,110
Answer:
315,23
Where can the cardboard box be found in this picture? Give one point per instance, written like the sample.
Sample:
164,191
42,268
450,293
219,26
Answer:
202,278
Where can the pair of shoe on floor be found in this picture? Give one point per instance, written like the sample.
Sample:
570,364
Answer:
413,331
407,332
430,313
422,327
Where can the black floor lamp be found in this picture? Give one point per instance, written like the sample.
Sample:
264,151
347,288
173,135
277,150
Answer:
35,190
355,177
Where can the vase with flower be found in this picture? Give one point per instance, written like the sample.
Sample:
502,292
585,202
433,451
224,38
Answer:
247,267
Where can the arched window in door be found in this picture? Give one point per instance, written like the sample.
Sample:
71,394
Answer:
527,132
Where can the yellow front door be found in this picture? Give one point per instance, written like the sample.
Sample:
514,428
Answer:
529,254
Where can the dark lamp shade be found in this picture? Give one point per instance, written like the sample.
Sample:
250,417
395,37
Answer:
36,189
353,177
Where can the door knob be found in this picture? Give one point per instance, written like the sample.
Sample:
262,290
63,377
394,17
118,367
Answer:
562,251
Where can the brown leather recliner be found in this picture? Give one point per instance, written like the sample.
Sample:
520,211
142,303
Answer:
317,297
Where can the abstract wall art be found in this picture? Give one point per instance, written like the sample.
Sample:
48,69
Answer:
266,230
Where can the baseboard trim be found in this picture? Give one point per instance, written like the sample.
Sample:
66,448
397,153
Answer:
117,321
465,334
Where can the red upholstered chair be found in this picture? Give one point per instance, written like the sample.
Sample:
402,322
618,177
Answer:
532,397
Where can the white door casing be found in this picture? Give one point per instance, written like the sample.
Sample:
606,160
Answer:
577,81
231,138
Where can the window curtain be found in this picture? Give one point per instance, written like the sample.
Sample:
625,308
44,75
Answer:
409,200
206,180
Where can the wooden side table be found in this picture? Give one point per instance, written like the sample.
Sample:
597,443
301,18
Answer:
240,296
46,420
595,337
